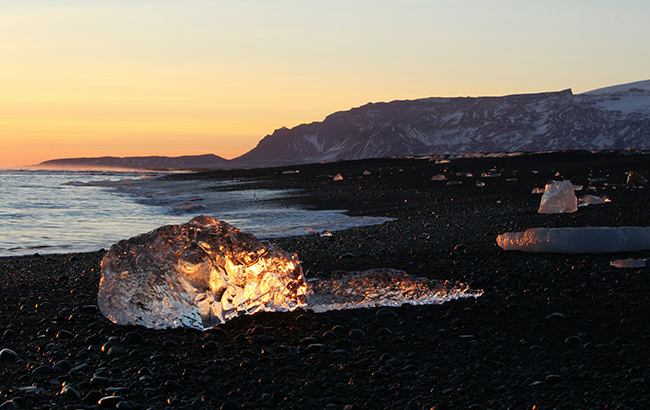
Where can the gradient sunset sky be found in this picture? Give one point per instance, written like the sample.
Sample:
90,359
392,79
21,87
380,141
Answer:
86,78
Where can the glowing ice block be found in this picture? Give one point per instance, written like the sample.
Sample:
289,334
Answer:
196,275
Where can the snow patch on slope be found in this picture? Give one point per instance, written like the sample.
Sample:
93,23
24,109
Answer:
641,85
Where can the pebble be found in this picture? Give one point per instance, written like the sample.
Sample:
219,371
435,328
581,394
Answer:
265,340
125,405
9,405
64,334
69,392
316,348
307,341
62,366
357,334
553,379
573,340
32,390
101,381
116,351
230,405
88,309
145,371
109,401
92,396
42,370
329,335
81,368
210,345
133,338
8,355
386,313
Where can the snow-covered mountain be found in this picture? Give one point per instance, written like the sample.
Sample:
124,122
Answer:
615,117
609,118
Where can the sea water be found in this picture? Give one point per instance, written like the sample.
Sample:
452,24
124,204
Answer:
45,211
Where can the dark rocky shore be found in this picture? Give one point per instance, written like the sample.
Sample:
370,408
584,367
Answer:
551,331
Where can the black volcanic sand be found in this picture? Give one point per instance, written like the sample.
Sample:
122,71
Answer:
551,331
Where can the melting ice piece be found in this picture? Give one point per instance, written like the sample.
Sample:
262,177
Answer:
593,239
205,272
592,200
196,275
380,287
558,198
628,263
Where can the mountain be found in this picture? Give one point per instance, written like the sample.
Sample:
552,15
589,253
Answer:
610,118
615,117
207,161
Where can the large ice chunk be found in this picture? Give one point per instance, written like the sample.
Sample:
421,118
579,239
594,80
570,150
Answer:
559,197
196,275
593,239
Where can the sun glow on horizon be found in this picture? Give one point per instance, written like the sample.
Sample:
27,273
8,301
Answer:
138,78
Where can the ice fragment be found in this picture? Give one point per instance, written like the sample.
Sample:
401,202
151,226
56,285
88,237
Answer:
628,263
599,239
558,198
592,200
380,287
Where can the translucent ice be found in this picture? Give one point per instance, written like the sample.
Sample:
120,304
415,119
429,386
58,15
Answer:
380,287
558,198
196,275
628,263
601,239
592,200
205,272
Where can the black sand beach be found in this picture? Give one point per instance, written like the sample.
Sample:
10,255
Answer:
551,331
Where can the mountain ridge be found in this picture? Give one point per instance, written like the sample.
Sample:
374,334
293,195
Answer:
615,117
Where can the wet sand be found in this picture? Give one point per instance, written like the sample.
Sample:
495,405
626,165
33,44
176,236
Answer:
551,331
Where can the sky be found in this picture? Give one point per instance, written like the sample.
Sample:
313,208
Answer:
89,78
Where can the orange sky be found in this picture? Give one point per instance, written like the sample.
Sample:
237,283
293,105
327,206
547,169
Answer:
143,77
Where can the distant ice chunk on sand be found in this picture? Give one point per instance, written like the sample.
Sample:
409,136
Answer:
559,197
600,239
628,263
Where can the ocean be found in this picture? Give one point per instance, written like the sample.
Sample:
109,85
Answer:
45,211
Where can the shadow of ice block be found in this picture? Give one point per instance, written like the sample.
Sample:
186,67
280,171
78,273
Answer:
601,239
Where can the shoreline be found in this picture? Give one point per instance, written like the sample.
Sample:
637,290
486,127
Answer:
551,330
